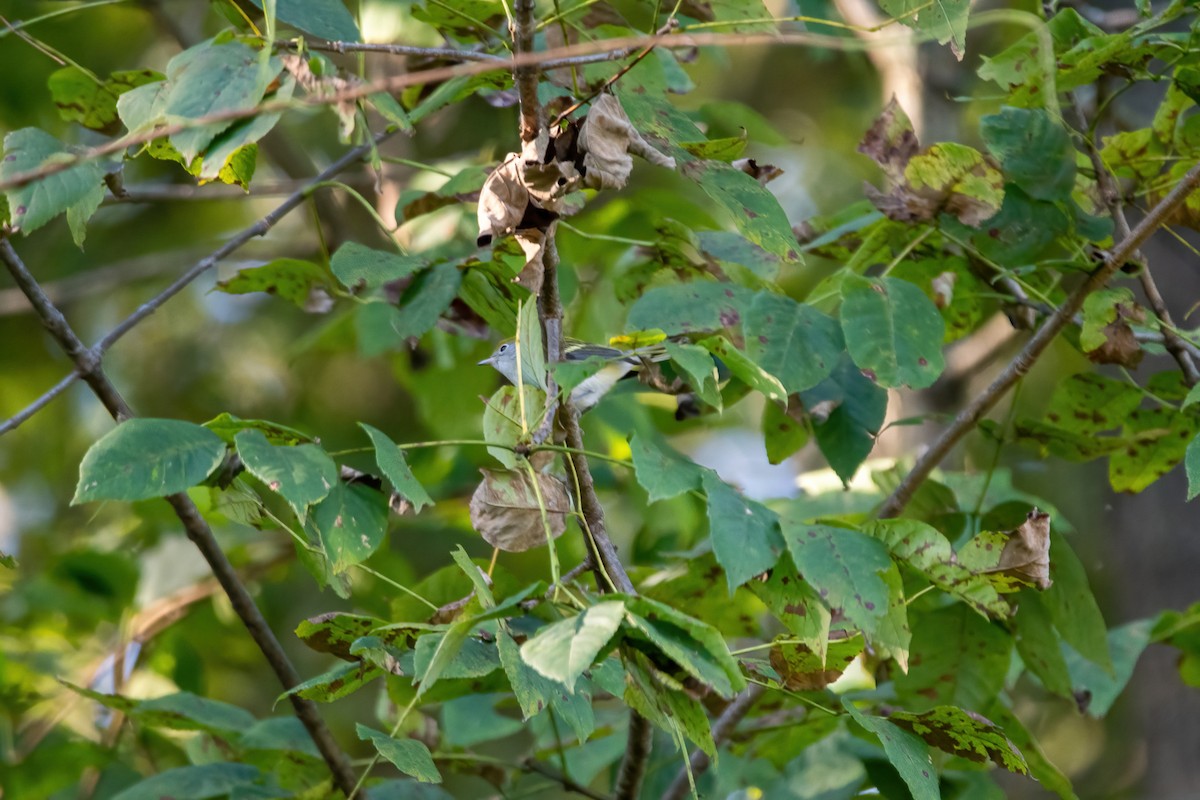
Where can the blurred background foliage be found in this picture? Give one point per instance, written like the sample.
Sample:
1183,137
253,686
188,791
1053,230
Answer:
90,575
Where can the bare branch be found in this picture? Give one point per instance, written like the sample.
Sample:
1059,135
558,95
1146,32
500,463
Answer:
534,765
146,309
1034,348
722,729
394,50
533,116
637,758
88,365
559,56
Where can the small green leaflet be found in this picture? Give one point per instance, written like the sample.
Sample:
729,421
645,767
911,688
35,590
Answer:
394,467
906,752
408,755
301,474
562,650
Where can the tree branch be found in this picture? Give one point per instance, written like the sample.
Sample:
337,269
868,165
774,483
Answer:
394,49
637,758
259,228
1034,348
722,729
1112,200
88,366
534,765
533,117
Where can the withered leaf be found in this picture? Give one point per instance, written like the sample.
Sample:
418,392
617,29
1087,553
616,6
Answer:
606,139
891,141
1027,553
763,173
502,201
532,243
506,512
803,670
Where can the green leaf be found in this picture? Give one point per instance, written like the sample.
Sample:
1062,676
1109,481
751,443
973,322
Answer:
746,370
232,154
1034,151
227,426
927,551
424,301
1099,687
335,632
745,534
33,205
531,350
726,149
473,719
963,734
954,289
1157,440
283,734
1191,461
796,604
193,783
958,658
653,695
408,755
1072,606
302,475
144,458
342,680
848,410
453,655
351,523
93,104
1091,403
562,650
205,80
844,567
181,711
502,419
360,267
663,472
751,207
1101,309
535,692
297,281
906,752
893,331
1039,646
784,432
696,646
945,20
462,187
327,19
394,467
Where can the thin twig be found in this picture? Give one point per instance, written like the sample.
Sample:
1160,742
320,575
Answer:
1021,364
1112,200
259,228
637,757
571,786
88,366
550,311
722,729
395,50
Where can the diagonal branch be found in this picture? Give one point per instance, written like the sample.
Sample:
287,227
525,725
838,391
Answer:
259,228
1112,200
969,416
88,366
722,729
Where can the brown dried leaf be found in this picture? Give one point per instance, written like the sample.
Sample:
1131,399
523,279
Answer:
533,245
502,201
549,184
506,512
606,139
763,173
803,670
891,141
1120,344
1027,553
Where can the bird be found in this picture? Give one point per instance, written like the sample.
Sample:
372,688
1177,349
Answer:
618,364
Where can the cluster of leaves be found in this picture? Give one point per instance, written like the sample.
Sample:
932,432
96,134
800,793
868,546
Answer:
944,613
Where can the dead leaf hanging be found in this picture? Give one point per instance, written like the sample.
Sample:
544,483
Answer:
502,201
506,511
1027,553
606,139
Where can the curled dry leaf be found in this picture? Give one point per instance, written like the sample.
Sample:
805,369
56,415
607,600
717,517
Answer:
763,173
502,201
1119,344
1027,553
803,670
533,244
606,139
506,512
943,288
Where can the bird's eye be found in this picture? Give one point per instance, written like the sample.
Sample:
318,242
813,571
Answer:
503,348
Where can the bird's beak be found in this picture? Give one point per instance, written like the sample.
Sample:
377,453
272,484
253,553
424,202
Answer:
487,360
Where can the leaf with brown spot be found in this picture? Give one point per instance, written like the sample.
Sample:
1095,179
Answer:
963,733
508,513
802,670
334,631
891,141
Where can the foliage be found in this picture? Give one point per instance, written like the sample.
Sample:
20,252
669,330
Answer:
887,637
